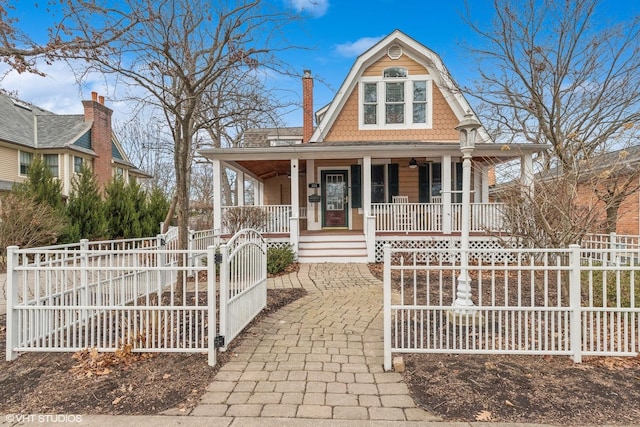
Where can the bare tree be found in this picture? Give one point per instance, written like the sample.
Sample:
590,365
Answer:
149,148
238,103
178,51
552,72
69,33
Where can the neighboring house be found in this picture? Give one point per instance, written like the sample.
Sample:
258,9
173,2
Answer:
65,142
621,168
617,172
382,165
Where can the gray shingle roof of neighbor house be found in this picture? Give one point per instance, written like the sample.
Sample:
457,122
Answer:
261,137
31,126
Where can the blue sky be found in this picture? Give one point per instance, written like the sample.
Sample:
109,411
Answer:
334,31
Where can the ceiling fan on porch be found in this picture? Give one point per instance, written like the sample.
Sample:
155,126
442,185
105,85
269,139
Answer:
413,163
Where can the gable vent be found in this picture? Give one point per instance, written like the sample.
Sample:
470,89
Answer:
394,51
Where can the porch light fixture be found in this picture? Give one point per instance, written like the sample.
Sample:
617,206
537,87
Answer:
468,128
413,163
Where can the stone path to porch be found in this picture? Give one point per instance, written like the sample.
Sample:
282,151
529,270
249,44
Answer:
320,357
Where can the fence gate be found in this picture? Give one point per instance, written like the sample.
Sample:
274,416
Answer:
243,283
142,294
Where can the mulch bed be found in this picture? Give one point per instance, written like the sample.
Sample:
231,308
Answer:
89,382
532,389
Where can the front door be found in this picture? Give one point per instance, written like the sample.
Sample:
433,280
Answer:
335,199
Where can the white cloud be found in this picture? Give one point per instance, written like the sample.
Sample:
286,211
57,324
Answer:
58,91
355,48
315,8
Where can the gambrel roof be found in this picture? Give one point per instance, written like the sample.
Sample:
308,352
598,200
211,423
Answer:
414,50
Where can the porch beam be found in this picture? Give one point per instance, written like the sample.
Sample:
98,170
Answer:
331,151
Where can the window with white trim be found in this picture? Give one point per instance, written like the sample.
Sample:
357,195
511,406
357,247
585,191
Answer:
395,100
25,161
51,161
77,164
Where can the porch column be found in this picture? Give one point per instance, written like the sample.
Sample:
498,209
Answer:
477,183
446,194
239,188
368,221
366,185
485,183
294,220
256,193
526,174
217,195
313,209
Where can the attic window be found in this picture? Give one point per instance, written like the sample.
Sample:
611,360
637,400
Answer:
395,72
394,51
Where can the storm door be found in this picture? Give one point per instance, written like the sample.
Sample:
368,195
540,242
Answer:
335,199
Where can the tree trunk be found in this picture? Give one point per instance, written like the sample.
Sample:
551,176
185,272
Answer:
170,213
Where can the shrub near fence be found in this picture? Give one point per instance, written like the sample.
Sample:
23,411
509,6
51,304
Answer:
526,302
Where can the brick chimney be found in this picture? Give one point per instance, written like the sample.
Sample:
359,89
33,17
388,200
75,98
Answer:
307,106
96,112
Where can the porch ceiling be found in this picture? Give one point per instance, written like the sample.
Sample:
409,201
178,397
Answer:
268,169
267,162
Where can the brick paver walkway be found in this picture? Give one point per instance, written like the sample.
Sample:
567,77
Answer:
320,357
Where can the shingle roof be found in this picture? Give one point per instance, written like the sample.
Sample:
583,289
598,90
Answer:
260,137
31,126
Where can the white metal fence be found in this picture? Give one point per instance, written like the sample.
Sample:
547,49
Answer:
110,295
243,282
541,301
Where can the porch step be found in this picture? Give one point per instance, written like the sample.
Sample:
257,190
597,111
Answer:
338,248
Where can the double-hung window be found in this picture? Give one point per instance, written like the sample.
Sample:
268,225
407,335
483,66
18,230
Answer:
25,161
395,100
77,164
51,161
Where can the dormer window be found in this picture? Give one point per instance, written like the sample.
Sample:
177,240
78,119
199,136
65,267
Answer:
394,72
395,100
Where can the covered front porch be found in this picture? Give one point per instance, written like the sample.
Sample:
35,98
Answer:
376,191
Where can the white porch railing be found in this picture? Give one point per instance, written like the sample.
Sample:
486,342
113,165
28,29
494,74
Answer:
277,217
536,301
428,217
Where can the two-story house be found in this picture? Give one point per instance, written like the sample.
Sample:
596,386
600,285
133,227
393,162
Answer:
65,142
383,164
